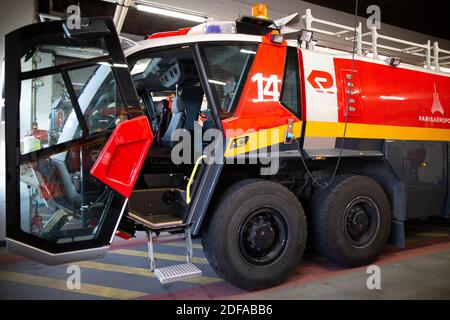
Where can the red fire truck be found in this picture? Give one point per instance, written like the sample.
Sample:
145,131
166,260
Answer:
360,142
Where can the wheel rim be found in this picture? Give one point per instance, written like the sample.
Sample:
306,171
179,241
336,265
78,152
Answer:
361,221
263,236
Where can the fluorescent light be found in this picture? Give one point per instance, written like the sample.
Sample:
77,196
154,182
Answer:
220,83
120,65
116,65
247,51
171,13
393,98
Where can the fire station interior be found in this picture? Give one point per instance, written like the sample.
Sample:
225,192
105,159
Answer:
60,205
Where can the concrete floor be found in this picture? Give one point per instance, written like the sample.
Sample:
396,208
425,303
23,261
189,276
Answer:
419,272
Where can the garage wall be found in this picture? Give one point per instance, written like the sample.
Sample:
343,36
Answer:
230,9
13,14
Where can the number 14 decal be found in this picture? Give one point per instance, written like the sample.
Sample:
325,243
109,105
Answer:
268,88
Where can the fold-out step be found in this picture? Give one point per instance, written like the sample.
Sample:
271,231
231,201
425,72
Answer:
177,273
162,221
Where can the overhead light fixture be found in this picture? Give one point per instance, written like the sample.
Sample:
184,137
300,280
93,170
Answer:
170,13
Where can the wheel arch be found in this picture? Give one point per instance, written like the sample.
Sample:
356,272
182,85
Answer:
396,191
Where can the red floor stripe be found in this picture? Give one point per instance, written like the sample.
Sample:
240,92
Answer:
217,290
322,272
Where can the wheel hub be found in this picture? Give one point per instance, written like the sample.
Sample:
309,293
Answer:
361,221
262,236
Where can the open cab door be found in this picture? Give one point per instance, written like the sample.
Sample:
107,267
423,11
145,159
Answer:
76,139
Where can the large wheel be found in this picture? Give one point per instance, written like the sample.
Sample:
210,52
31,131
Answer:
351,221
257,234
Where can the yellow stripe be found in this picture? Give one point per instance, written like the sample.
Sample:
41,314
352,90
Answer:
431,234
370,131
182,245
90,289
264,138
261,139
162,256
138,271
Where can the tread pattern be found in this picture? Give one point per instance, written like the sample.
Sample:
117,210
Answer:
219,219
322,204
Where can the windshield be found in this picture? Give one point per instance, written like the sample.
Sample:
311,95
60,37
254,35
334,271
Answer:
172,73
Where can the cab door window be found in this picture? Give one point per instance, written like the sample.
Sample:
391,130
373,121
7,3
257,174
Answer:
45,109
290,93
98,97
227,67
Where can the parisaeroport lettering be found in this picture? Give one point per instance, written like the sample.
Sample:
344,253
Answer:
432,119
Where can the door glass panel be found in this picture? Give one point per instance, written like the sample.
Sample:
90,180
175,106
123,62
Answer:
47,117
59,200
99,97
291,86
62,50
227,69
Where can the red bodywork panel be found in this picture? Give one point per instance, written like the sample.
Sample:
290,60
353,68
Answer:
121,160
257,114
395,96
165,34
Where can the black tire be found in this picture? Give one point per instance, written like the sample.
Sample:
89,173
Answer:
351,221
228,245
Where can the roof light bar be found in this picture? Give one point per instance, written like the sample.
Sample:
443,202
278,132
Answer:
170,13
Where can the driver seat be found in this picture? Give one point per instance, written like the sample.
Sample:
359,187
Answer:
176,122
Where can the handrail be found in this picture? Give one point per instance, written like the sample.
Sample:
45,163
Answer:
191,179
430,53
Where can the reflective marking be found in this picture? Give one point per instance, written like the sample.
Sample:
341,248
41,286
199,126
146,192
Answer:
431,234
162,256
139,271
180,245
90,289
374,131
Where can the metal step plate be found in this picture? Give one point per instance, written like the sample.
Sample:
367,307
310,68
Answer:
177,273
